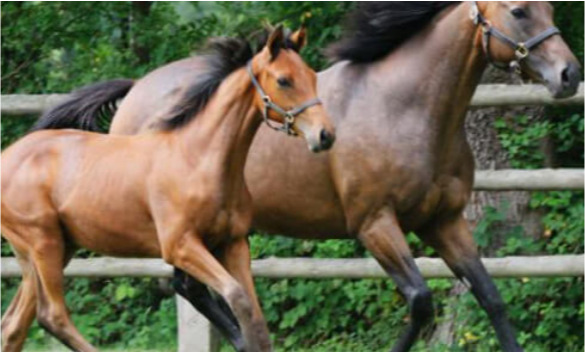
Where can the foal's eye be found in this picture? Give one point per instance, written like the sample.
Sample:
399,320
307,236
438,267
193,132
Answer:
519,13
284,82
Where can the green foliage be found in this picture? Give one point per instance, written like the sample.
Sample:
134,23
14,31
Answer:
125,313
521,137
53,47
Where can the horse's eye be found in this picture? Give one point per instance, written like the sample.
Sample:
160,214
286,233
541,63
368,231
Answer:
519,13
284,82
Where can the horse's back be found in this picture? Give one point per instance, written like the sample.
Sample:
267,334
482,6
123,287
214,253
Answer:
152,98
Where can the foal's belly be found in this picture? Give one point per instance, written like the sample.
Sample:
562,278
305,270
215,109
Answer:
112,234
107,213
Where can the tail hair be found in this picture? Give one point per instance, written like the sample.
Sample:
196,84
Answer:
87,108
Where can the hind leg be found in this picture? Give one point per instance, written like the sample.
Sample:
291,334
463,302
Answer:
49,256
21,312
453,241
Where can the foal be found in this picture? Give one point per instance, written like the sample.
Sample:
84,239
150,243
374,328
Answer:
178,193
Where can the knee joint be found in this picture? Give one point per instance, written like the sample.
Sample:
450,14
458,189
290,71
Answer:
10,334
51,321
240,303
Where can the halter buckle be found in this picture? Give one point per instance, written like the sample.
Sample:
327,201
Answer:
289,118
521,51
266,99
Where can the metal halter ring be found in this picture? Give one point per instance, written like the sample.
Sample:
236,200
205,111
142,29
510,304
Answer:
288,115
521,51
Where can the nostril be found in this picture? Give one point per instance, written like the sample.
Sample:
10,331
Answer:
565,75
326,139
570,74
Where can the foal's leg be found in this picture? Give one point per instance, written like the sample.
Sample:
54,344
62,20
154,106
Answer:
384,238
236,259
21,312
49,256
453,241
214,309
192,257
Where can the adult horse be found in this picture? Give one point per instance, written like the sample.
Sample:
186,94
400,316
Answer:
399,93
178,193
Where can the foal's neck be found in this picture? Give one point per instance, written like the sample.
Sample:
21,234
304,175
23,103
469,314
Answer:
221,136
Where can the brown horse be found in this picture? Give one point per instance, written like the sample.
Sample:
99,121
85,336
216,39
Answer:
401,162
178,193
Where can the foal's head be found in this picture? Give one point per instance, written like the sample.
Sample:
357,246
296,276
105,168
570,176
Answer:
288,93
549,60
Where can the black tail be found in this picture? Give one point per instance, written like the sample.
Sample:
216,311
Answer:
86,107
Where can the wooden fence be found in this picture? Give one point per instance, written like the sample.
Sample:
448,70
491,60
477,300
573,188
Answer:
196,335
485,95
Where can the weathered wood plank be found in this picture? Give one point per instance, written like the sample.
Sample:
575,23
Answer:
196,334
529,180
541,266
518,95
485,95
29,104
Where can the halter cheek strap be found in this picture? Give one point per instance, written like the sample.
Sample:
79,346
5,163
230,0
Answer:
289,115
521,49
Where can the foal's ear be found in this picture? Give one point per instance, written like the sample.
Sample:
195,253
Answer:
274,42
298,39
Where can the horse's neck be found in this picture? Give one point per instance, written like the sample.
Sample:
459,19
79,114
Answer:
439,70
457,63
221,136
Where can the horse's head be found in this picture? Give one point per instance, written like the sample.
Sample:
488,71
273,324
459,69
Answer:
523,33
287,90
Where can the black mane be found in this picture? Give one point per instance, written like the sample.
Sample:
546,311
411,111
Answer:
223,56
378,27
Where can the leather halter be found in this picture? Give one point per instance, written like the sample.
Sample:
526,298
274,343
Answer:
289,115
521,49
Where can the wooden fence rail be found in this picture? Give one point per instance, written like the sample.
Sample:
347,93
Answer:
529,180
312,268
485,95
195,334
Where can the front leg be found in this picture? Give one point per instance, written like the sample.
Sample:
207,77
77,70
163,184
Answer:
188,253
236,259
382,236
452,239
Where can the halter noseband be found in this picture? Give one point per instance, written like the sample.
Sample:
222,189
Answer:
289,115
521,49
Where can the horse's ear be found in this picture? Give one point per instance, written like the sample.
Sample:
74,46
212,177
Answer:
274,42
299,38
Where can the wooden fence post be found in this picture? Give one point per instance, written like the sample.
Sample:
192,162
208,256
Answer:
195,333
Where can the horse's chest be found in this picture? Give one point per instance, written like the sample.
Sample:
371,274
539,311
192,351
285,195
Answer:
222,223
230,222
444,196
